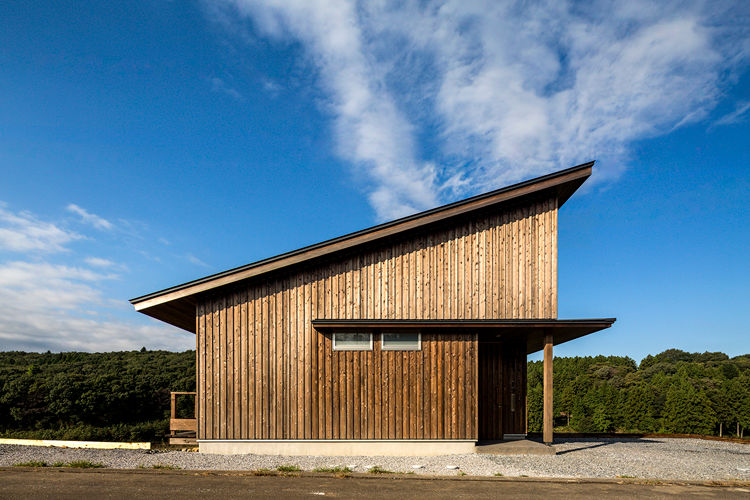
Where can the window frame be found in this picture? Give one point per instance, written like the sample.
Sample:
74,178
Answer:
383,346
337,348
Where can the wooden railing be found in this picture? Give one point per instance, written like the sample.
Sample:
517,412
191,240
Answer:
182,430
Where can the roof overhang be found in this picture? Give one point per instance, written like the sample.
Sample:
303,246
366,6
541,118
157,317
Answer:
176,305
530,331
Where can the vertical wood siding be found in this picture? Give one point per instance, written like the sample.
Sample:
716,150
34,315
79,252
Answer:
265,373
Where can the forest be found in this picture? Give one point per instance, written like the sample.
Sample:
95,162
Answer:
671,392
124,396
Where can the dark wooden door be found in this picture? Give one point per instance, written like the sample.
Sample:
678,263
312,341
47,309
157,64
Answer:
490,391
502,390
514,385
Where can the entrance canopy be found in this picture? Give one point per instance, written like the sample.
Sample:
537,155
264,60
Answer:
533,330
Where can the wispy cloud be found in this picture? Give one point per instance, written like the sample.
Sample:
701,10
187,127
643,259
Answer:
47,306
89,218
371,129
220,86
59,306
740,114
103,263
438,99
49,286
22,232
271,86
195,260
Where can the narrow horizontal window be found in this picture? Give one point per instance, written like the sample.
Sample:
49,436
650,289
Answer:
402,342
352,341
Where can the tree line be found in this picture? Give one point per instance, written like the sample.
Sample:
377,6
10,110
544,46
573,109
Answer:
671,392
111,396
124,396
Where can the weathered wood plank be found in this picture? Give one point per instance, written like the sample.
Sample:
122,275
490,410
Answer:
377,360
215,367
548,417
329,373
204,389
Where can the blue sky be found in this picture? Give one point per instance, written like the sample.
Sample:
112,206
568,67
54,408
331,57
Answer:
146,145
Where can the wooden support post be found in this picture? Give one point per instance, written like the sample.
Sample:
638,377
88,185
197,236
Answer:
548,415
174,405
195,414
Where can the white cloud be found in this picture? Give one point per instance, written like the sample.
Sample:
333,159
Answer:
60,333
99,262
370,129
439,99
220,86
48,286
271,86
48,305
740,113
22,232
195,260
89,218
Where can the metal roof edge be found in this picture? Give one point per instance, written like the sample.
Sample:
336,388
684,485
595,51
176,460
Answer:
468,322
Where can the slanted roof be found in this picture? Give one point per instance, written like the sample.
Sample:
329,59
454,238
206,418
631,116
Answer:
176,305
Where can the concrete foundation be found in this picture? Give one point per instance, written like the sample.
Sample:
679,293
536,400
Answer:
398,448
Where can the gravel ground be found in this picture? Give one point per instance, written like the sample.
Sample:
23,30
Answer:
680,459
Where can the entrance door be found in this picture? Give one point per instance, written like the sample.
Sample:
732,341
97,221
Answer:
490,391
502,390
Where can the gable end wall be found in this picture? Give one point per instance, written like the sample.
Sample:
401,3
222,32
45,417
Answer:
265,373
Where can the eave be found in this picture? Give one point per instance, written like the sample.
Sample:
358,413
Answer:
530,331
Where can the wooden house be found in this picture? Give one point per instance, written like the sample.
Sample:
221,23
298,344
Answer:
409,337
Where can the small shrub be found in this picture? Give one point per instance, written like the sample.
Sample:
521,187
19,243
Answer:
288,468
31,463
262,472
58,464
498,474
333,470
166,466
84,464
379,470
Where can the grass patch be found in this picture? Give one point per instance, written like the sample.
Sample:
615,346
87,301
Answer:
31,463
288,468
84,464
498,474
379,470
262,472
625,476
333,470
78,464
461,473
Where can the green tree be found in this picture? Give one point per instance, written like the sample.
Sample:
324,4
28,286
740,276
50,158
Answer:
687,410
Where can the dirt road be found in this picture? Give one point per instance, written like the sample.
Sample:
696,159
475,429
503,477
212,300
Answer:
66,483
